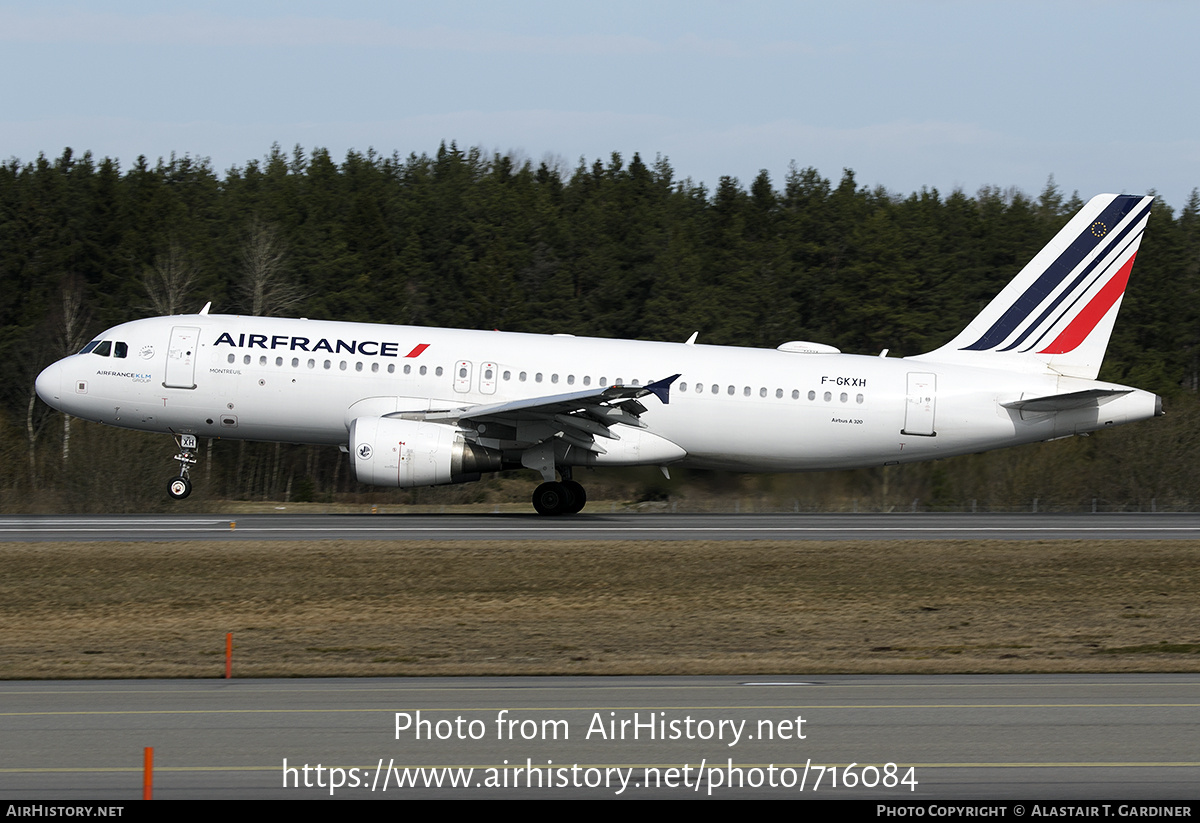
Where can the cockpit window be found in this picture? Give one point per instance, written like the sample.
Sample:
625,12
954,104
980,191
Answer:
104,349
89,347
120,349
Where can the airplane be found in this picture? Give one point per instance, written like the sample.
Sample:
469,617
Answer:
415,406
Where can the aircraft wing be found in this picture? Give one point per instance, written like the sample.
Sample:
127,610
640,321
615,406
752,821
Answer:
577,417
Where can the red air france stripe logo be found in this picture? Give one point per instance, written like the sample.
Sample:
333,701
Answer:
416,352
1079,328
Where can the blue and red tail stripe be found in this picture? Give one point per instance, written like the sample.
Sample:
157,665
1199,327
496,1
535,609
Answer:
1101,264
1080,327
1098,233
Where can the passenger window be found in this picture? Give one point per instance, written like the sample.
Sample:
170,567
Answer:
407,369
587,381
487,374
392,368
828,396
554,378
312,364
603,382
521,377
537,378
570,380
245,360
812,395
438,371
262,361
716,389
375,368
858,399
231,358
423,369
683,386
120,350
746,391
762,392
507,375
462,372
844,397
328,364
779,393
278,361
342,365
295,362
358,366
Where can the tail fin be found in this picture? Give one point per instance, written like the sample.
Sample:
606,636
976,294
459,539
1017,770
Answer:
1057,314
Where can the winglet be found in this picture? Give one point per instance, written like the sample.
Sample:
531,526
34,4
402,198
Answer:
662,388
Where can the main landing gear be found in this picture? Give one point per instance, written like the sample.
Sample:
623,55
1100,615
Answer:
180,487
567,497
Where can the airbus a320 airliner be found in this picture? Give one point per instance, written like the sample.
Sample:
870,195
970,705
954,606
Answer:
420,406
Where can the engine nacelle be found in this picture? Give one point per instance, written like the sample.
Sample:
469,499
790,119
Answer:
405,453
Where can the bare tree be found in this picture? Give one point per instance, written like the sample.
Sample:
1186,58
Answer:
170,279
267,287
71,334
31,357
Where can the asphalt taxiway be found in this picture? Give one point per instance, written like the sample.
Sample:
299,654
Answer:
1044,737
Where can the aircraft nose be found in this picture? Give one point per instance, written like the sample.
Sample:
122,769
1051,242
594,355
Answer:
49,385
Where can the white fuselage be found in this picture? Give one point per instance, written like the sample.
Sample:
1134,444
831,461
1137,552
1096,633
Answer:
305,381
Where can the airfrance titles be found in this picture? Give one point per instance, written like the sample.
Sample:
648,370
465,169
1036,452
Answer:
368,348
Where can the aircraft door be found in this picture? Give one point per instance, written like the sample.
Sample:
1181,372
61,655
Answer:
462,376
487,378
181,358
921,404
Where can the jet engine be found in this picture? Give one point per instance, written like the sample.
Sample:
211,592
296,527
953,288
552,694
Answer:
389,452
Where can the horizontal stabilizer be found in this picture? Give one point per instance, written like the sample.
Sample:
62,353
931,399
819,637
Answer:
1063,402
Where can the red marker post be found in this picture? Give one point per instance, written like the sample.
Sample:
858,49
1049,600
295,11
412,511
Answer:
148,773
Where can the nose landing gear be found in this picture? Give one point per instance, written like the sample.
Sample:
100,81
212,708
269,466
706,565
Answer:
180,487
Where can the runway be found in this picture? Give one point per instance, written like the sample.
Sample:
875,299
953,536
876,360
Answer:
1044,737
460,527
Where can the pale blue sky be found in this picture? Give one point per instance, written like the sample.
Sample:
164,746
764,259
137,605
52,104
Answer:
910,95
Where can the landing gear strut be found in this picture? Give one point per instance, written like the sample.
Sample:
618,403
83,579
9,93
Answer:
180,487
